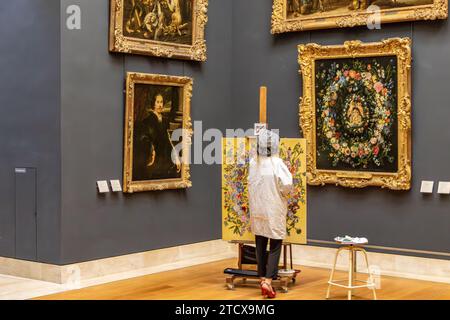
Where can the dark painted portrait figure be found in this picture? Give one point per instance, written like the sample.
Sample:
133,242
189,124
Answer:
159,20
157,115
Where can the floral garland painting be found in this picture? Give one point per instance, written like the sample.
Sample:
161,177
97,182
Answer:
356,114
235,210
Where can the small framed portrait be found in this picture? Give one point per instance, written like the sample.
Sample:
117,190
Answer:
356,113
158,132
299,15
162,28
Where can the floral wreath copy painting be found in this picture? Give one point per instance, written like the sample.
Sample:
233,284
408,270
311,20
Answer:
158,132
299,15
356,113
236,153
161,28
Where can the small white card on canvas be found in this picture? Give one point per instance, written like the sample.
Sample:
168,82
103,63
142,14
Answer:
102,186
427,187
444,187
259,127
115,186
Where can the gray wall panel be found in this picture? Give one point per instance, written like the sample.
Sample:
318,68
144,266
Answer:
92,137
29,125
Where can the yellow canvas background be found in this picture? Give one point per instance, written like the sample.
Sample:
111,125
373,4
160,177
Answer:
235,214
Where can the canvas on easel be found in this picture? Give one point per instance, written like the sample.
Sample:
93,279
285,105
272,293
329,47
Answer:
236,153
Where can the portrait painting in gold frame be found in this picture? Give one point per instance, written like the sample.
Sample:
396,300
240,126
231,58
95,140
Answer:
161,28
356,113
158,132
299,15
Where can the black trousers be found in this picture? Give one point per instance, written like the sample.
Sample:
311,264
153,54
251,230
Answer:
267,261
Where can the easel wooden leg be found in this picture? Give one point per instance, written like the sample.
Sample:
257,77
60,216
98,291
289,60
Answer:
284,284
230,282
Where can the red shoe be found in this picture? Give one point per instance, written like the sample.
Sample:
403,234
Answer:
264,290
271,293
267,290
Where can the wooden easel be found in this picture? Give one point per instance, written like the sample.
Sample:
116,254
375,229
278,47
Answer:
241,273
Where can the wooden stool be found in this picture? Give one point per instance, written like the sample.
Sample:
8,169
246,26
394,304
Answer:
352,249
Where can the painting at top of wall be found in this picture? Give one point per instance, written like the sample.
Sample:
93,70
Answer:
162,28
299,15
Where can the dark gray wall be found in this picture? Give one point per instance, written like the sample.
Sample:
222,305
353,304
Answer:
95,226
388,218
30,120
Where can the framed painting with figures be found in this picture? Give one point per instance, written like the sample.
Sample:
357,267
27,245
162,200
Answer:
157,132
162,28
356,113
298,15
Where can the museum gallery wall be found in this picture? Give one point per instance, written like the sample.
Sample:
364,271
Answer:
171,63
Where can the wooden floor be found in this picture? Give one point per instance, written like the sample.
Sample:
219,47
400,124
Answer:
207,282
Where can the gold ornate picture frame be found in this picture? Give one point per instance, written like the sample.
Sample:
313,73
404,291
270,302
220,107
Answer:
168,28
300,15
157,111
356,113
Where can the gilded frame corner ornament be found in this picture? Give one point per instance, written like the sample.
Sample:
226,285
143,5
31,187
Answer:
120,43
400,47
280,24
186,84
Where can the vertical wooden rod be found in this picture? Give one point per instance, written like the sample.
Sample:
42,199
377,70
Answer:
263,105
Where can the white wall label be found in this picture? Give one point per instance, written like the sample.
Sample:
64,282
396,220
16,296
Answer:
115,186
102,186
427,187
444,187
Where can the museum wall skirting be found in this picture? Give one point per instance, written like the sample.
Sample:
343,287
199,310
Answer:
399,219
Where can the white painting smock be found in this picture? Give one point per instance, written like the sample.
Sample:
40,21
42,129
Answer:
269,184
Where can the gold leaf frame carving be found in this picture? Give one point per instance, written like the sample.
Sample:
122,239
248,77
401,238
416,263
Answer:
186,84
197,51
280,23
400,47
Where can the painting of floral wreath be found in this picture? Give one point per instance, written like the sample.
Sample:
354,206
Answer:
156,115
236,154
167,28
356,115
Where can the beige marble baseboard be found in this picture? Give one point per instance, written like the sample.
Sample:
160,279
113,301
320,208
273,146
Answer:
133,265
120,267
436,270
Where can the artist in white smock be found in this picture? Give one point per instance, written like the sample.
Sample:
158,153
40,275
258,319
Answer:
269,185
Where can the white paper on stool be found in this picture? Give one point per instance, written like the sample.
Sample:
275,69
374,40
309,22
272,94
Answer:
427,187
444,187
